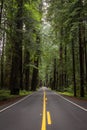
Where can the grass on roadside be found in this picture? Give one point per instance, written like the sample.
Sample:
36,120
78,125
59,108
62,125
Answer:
72,95
66,93
24,92
5,94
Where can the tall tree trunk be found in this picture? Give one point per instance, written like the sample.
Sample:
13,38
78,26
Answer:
27,70
74,72
81,48
57,78
65,75
85,46
35,76
21,67
14,85
20,27
54,80
1,52
86,63
16,70
2,65
1,10
81,58
34,82
61,82
2,56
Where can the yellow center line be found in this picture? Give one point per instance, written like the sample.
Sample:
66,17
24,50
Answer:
49,118
44,113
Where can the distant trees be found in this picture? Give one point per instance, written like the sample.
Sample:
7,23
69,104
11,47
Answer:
68,26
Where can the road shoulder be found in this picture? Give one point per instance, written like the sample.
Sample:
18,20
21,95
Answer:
78,101
8,102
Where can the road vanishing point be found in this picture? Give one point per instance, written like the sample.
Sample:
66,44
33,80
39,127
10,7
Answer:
43,110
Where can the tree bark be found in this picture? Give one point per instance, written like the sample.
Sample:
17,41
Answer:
65,75
1,10
2,58
74,72
27,70
81,58
16,70
54,79
81,48
2,66
34,82
61,82
85,46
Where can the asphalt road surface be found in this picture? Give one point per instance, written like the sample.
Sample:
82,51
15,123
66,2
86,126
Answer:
43,110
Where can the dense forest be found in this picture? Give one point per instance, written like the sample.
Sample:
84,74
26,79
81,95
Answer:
43,42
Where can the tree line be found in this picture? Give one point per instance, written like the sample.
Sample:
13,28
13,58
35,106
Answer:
67,67
19,44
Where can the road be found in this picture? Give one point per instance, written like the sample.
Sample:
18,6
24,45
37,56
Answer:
43,110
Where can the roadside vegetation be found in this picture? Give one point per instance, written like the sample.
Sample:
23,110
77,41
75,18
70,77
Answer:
70,93
5,94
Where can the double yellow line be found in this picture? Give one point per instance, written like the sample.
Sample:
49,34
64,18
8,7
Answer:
49,118
43,127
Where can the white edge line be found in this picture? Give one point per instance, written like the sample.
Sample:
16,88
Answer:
13,104
72,102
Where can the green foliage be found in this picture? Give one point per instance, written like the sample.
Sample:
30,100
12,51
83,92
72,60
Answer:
70,94
61,27
34,11
32,18
23,27
46,34
5,94
66,93
24,92
49,50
